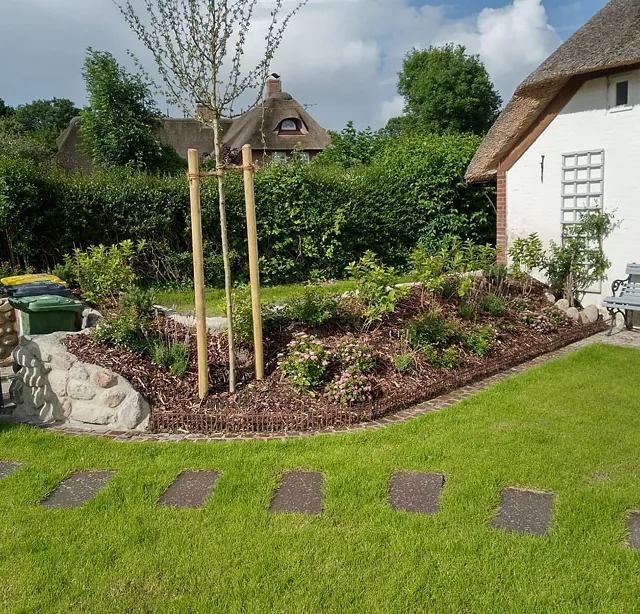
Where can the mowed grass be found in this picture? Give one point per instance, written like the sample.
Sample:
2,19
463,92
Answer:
183,300
571,426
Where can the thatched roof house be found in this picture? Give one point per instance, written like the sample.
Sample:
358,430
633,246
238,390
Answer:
610,40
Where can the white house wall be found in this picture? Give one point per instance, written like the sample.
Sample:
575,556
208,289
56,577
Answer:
587,123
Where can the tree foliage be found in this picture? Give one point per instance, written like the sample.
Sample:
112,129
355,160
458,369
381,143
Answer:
445,90
46,119
351,147
120,125
5,110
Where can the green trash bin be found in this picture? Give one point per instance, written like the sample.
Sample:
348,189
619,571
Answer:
41,315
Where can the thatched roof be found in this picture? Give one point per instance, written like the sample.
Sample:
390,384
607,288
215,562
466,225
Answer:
609,41
247,129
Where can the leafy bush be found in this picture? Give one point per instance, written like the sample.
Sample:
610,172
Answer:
403,362
66,272
468,311
172,356
351,355
544,321
480,340
448,358
351,387
432,328
376,284
273,316
526,255
122,330
103,272
305,363
493,305
496,275
313,307
138,302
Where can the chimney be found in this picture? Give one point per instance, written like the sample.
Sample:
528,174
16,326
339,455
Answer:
274,86
204,112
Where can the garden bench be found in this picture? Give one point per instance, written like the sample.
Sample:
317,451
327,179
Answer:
627,300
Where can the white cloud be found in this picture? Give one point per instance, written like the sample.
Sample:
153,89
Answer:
341,56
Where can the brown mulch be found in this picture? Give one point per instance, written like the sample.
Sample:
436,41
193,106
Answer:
274,405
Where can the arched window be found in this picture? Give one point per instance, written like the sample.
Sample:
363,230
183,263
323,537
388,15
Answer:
288,125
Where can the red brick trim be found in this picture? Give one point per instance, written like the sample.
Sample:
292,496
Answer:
501,218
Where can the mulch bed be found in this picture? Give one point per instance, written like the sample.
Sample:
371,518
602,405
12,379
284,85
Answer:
274,405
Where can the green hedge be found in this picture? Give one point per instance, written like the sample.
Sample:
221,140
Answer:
312,220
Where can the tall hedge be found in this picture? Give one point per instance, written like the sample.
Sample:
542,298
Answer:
312,220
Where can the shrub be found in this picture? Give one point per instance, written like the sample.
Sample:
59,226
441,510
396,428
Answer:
138,302
305,363
273,315
403,362
448,358
432,328
468,311
493,305
480,340
544,321
103,272
496,275
351,387
172,356
376,284
122,330
313,307
350,355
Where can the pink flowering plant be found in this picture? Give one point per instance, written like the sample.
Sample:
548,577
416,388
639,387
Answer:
305,363
543,321
350,354
351,387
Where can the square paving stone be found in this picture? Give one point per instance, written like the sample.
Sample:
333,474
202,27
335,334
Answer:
633,526
418,493
6,468
524,511
300,491
190,489
77,489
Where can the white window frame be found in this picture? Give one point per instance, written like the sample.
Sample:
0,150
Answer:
582,189
613,92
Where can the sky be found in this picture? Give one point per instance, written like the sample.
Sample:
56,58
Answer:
339,57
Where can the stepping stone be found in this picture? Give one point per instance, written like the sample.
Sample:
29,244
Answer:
77,489
524,511
633,526
6,469
418,493
300,491
190,489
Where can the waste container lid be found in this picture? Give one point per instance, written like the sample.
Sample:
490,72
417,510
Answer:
46,302
29,279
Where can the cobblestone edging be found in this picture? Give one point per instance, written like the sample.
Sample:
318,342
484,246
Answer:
621,338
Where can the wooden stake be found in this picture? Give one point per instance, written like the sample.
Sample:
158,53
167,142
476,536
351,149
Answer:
198,272
254,269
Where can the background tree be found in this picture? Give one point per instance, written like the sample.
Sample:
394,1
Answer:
120,125
351,147
199,49
46,119
446,90
5,110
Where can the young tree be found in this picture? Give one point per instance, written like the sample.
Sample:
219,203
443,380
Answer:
46,119
445,90
199,47
120,125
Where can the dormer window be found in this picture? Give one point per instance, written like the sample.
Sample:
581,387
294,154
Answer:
289,125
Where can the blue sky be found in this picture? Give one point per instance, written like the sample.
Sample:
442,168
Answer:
341,57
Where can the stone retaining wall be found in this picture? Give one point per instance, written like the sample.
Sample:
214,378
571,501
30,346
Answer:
8,331
52,385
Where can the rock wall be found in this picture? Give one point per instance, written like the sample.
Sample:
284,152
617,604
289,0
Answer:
8,331
52,385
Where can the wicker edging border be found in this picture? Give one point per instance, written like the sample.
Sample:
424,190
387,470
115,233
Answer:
171,422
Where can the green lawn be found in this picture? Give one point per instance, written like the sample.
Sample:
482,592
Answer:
571,426
182,300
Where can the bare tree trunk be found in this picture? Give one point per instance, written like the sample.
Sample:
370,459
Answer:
225,252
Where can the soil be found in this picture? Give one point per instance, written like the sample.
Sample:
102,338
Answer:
274,405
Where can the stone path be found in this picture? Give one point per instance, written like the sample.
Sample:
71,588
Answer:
190,489
77,489
524,511
521,510
416,492
300,491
